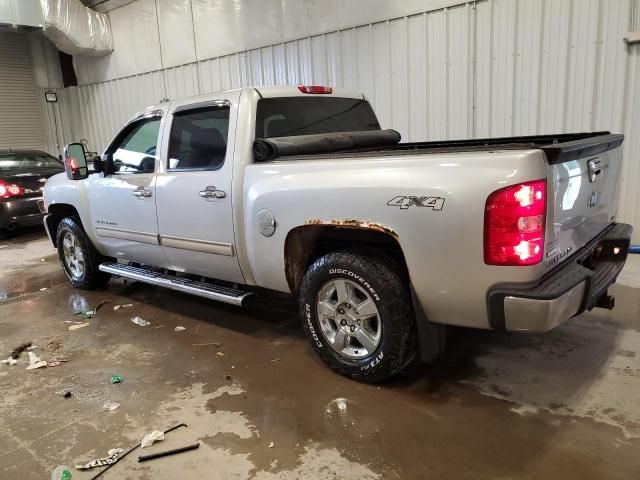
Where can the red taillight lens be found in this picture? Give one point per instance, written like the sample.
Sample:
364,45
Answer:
8,190
514,220
314,89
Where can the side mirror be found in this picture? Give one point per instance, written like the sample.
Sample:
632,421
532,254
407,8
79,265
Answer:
75,161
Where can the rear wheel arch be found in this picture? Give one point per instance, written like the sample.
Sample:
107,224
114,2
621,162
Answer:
306,243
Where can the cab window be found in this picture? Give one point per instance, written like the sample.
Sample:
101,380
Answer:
198,139
134,151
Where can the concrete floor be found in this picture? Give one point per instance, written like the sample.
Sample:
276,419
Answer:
497,406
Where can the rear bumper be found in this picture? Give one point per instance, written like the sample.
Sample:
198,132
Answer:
573,287
21,212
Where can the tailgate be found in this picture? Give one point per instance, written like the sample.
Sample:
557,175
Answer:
585,180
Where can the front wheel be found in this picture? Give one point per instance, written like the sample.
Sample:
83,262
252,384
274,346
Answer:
356,310
79,258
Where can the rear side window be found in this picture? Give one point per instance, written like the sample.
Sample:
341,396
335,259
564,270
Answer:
290,116
199,139
28,161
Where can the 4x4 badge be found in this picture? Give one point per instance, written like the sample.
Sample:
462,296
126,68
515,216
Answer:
406,201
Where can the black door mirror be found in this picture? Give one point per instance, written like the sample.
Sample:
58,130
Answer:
75,161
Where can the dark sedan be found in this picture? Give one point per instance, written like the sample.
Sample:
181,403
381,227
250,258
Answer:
23,174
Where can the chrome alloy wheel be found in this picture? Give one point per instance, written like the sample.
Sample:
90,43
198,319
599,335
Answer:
348,318
73,255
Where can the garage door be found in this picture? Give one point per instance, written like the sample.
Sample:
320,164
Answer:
20,125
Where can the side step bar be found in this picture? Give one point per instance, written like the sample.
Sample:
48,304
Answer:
193,287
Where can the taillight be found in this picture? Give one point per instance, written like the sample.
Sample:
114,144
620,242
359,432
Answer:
8,190
514,220
314,89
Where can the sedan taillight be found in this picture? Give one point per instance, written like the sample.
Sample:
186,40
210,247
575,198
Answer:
8,190
514,221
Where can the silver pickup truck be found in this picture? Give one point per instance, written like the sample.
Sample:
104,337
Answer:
385,243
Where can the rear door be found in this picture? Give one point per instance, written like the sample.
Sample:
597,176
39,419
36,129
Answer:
584,202
194,189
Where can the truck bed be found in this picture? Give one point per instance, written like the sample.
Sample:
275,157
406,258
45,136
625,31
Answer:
557,148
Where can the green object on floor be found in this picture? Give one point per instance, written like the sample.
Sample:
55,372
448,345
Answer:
116,379
66,475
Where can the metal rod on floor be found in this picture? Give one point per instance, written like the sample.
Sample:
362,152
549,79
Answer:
151,456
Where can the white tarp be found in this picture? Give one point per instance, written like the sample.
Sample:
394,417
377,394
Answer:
76,29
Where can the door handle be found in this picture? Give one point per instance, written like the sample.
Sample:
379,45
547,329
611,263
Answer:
210,192
141,192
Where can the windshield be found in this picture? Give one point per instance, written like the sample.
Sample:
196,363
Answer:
292,116
28,161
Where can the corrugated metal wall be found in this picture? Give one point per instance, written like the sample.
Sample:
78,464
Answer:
478,69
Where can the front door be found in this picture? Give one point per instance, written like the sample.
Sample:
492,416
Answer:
194,191
122,204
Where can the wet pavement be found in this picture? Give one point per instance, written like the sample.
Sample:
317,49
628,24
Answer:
262,406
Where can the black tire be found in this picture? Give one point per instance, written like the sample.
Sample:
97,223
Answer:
90,278
381,278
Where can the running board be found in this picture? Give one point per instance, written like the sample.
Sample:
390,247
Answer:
193,287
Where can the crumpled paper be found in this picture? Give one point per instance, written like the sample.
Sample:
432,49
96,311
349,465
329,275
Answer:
140,321
150,438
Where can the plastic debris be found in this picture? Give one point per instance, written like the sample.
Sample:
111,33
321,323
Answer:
42,260
271,445
110,406
85,314
19,349
61,472
32,347
116,307
54,362
112,457
43,289
150,438
140,321
179,328
78,326
116,379
220,354
9,361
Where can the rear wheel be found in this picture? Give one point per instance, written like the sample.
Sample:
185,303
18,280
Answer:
78,256
357,312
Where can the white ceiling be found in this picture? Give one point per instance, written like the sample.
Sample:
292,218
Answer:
105,5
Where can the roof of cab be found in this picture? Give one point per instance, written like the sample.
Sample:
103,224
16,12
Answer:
265,91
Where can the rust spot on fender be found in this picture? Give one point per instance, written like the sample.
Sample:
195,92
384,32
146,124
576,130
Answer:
300,244
353,223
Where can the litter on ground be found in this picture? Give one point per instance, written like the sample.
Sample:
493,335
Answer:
116,379
19,349
179,328
9,361
151,456
34,360
150,438
112,457
54,362
140,321
78,325
110,406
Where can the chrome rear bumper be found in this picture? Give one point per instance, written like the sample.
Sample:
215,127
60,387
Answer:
576,285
